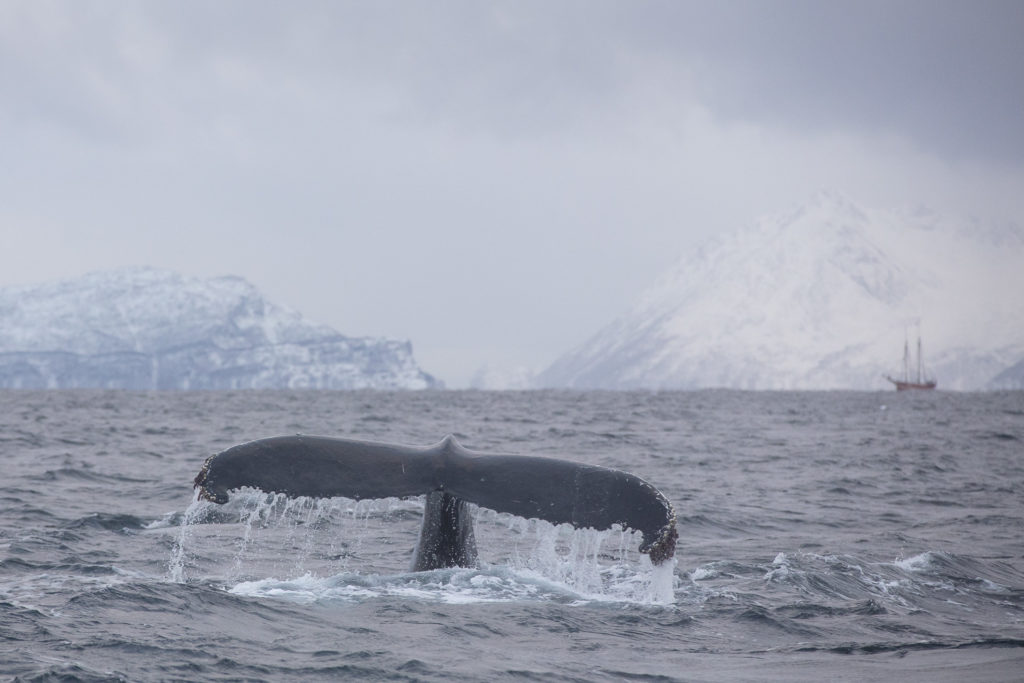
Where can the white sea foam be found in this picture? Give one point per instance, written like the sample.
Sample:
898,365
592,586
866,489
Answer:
703,574
168,519
456,586
453,586
917,563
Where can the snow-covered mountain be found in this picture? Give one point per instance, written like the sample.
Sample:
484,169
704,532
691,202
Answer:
820,298
1012,378
142,328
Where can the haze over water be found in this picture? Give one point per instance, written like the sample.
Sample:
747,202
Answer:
866,535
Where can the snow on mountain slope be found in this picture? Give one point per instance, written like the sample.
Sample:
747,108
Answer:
1011,378
142,328
819,298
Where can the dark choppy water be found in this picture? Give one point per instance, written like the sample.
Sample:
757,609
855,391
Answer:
823,536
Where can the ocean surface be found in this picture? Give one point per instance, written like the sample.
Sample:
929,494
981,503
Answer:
822,536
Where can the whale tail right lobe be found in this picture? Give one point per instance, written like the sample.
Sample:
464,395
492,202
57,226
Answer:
565,492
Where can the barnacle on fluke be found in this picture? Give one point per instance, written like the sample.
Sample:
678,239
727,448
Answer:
205,485
558,491
665,547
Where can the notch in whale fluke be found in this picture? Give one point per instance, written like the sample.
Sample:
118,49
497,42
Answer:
558,491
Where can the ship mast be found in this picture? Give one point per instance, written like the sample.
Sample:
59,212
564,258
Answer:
918,357
906,359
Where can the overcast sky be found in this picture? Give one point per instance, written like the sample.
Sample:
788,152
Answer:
493,180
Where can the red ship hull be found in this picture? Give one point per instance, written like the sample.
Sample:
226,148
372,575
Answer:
912,386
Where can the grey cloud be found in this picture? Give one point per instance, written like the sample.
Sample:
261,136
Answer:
947,75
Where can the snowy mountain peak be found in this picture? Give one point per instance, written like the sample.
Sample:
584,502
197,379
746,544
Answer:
817,297
149,328
829,204
144,309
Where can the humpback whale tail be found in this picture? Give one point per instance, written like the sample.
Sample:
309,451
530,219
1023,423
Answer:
451,476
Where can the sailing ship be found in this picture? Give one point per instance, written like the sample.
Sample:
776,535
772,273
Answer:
916,380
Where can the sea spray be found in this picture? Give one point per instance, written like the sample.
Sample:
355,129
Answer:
292,534
595,565
176,565
661,589
278,538
273,534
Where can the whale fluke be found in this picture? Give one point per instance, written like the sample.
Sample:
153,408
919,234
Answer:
558,491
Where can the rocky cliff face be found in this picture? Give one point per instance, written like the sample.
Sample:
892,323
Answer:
141,328
819,298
